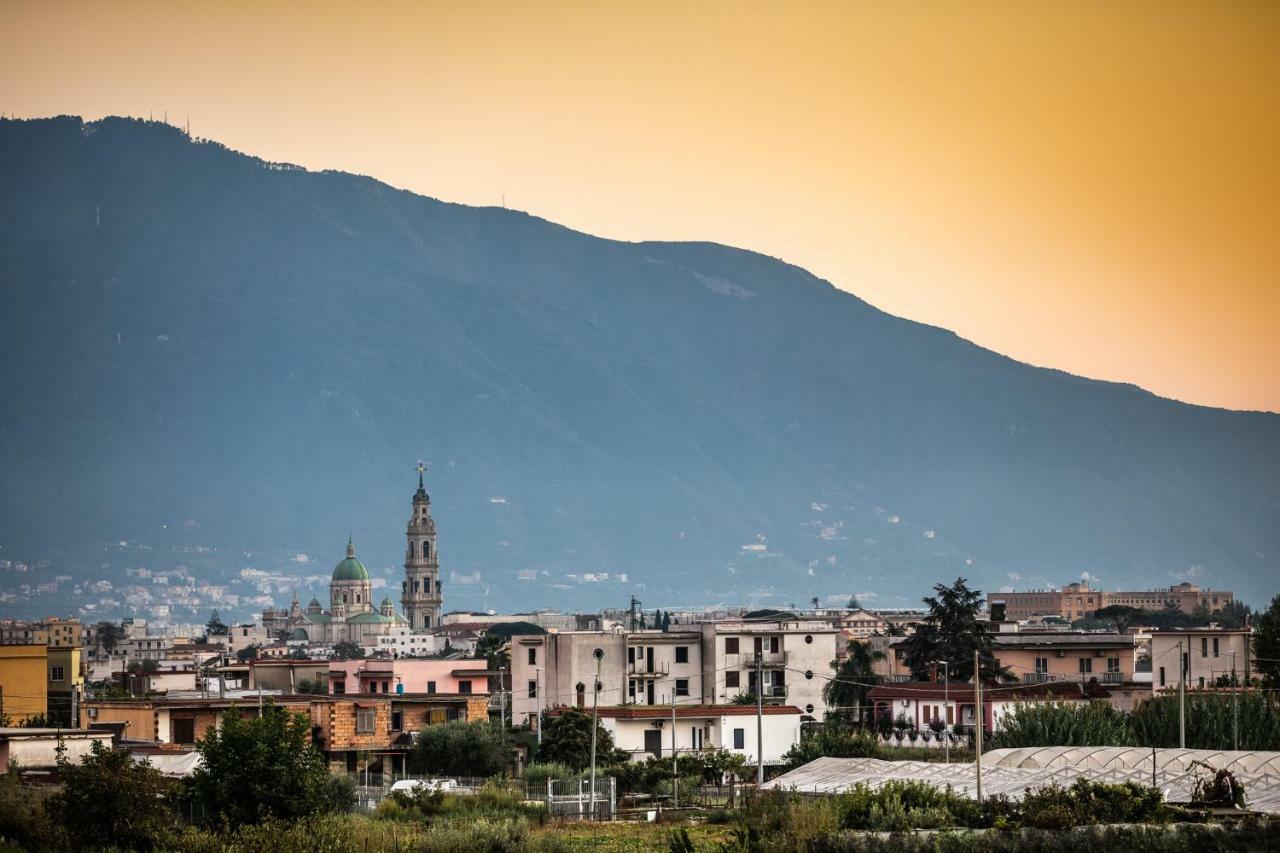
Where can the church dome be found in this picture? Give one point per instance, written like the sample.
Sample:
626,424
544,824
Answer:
387,602
350,569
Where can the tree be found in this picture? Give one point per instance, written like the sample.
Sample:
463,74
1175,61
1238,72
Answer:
316,687
952,633
493,648
259,768
814,602
215,626
459,748
847,693
36,721
666,621
1266,644
109,636
110,801
1122,615
566,738
854,603
249,652
347,650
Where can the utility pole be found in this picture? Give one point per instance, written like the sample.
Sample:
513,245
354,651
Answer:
1182,699
977,721
537,675
946,699
502,694
675,757
759,719
595,703
1235,704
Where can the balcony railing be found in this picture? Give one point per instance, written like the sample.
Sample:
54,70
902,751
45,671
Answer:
641,669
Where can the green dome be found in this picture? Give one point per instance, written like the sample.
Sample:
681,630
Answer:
350,569
387,602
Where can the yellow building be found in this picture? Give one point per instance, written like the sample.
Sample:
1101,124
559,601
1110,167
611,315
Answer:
24,685
66,681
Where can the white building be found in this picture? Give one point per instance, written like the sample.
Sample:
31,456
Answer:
647,731
403,641
795,661
641,668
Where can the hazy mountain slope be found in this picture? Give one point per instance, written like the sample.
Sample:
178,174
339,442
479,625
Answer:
250,357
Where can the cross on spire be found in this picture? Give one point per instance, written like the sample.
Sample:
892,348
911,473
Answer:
420,469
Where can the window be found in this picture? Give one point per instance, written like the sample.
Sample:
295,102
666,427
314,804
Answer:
431,687
56,673
533,690
1113,664
631,654
426,550
1086,664
397,720
426,585
464,687
739,738
1204,647
373,687
533,655
653,741
730,645
1042,666
365,719
1215,647
1162,676
581,690
774,643
808,639
682,654
339,687
183,730
732,678
682,687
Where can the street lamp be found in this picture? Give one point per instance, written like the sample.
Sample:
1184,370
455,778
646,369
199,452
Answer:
1235,703
946,700
595,702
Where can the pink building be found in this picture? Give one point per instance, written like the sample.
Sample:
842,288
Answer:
409,675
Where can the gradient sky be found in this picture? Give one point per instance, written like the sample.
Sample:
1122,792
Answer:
1088,186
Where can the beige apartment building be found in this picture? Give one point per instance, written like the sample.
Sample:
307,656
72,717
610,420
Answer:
1207,654
1079,600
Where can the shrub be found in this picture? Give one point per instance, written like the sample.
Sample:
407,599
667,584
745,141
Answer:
109,800
460,748
834,741
260,768
538,774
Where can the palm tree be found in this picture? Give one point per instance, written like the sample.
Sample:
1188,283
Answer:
846,694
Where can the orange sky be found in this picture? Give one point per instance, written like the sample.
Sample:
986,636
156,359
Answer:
1093,187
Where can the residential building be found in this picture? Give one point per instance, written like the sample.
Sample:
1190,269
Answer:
642,667
403,641
1208,655
409,675
645,731
24,681
371,733
40,749
1079,600
792,655
1053,656
65,684
923,702
288,675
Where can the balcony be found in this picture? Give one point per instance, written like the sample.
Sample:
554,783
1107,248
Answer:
641,669
1111,678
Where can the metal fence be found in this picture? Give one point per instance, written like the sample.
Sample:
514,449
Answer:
565,798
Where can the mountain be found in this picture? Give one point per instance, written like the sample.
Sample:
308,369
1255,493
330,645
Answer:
209,355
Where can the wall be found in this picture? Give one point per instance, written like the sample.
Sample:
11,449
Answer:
1203,664
43,751
24,685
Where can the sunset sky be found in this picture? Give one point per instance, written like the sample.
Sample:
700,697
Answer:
1088,186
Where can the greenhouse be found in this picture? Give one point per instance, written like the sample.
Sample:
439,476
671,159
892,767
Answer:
1013,771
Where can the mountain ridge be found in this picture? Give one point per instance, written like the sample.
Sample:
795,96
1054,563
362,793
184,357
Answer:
357,327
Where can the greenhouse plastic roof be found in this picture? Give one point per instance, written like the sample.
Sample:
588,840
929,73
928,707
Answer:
1014,771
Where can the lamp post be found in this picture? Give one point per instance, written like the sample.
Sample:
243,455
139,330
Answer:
595,703
1182,699
946,700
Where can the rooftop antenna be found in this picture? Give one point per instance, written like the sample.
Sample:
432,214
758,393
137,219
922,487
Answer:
504,201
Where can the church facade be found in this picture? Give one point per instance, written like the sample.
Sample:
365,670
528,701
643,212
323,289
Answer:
352,616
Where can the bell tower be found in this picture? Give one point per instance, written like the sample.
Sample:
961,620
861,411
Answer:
420,591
